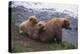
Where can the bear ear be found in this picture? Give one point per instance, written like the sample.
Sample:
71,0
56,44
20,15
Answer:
64,23
31,19
67,25
40,24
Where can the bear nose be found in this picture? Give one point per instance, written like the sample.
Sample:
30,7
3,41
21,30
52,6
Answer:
69,28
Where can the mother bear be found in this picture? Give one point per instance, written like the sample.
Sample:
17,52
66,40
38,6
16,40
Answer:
53,30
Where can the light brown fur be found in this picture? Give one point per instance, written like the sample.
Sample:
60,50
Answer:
28,25
40,27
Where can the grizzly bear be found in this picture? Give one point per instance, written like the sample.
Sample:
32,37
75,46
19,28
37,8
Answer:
53,30
28,25
40,27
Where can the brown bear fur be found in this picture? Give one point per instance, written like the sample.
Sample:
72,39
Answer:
28,25
38,29
54,29
45,31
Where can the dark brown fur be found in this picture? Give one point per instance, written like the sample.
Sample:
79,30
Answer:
54,29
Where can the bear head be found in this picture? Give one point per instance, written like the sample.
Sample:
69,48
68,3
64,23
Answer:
66,24
33,19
